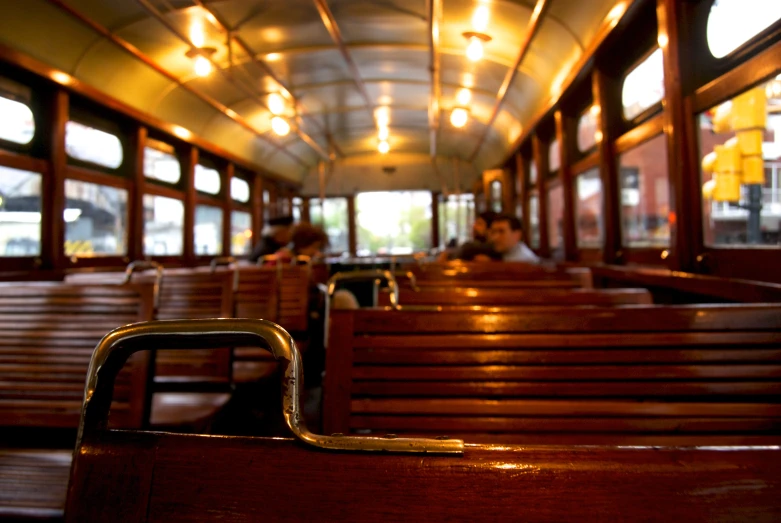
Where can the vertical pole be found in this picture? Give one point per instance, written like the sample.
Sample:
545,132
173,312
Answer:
565,176
190,162
227,241
135,229
539,149
53,197
257,207
351,225
435,240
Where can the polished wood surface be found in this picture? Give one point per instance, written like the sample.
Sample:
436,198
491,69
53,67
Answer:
196,478
622,375
464,296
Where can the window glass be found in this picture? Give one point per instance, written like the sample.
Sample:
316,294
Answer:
266,206
532,173
163,226
731,23
588,129
208,230
393,222
207,180
239,190
534,221
554,159
643,86
456,215
556,217
331,214
20,212
16,123
727,197
298,204
645,195
241,233
95,219
496,196
161,163
92,145
588,208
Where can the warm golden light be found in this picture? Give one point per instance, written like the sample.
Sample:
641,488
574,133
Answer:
382,115
276,104
203,67
280,126
464,96
273,57
480,19
474,51
468,80
383,147
197,36
595,110
383,133
616,13
61,78
181,132
662,40
458,117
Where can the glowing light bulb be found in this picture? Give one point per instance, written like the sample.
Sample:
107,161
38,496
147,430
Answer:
383,147
383,133
458,117
464,96
196,33
474,51
276,104
203,67
382,115
480,19
280,126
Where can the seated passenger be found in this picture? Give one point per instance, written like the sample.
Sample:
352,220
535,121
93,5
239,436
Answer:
307,240
480,229
479,253
276,235
506,240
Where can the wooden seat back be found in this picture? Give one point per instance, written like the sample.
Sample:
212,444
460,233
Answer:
630,375
47,335
461,296
138,476
501,275
294,281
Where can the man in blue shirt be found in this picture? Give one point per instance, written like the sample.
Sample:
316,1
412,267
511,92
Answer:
505,236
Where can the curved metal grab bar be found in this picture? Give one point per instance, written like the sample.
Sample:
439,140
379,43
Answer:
115,348
221,261
145,265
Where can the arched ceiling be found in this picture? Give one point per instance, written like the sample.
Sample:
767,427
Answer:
335,61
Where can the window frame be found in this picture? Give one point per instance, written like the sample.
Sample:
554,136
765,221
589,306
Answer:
651,111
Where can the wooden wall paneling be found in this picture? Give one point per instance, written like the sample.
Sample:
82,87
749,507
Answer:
540,158
607,96
352,229
565,175
684,199
230,170
53,197
190,199
273,201
520,197
305,214
135,229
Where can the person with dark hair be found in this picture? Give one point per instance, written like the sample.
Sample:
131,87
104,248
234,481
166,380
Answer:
475,252
480,228
309,240
505,237
276,235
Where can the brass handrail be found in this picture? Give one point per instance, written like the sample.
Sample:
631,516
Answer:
145,265
116,347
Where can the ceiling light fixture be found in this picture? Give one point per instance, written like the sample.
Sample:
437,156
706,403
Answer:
383,133
382,116
464,96
383,147
276,104
459,117
202,64
480,18
280,126
474,50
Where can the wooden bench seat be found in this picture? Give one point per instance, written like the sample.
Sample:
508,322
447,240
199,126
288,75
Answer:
137,476
500,275
623,375
47,335
461,296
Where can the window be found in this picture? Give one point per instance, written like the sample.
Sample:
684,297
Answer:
20,212
726,216
208,230
163,226
17,123
239,190
266,205
645,195
207,180
456,214
532,173
393,222
588,129
331,214
731,23
556,217
161,163
643,86
298,204
92,145
241,233
554,159
534,221
588,208
95,219
496,196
